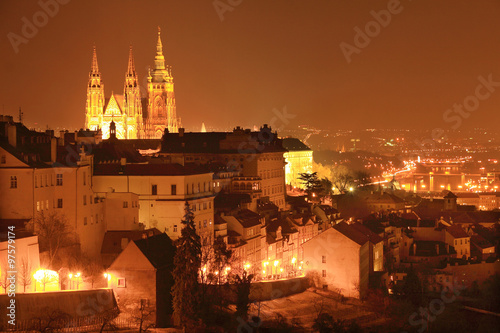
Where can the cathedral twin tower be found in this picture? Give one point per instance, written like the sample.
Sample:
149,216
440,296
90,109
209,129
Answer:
134,117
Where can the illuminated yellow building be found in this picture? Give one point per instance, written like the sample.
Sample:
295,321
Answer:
298,160
135,117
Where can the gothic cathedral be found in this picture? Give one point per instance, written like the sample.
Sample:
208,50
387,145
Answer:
135,117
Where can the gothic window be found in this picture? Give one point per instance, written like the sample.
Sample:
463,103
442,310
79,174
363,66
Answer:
159,106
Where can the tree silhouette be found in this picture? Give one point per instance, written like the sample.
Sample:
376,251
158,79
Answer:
243,284
187,261
342,178
24,274
311,182
53,234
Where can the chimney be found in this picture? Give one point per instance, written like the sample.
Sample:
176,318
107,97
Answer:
53,150
181,132
61,138
12,134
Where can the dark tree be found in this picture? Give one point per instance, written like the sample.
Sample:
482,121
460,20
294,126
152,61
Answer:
413,287
342,178
326,187
53,234
221,256
362,177
24,276
311,182
93,271
187,262
243,284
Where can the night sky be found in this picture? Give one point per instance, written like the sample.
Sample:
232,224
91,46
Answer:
263,55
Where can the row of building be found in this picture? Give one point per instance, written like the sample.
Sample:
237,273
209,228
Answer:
101,186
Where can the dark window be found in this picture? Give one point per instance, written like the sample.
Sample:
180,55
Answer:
173,189
324,273
59,179
59,203
125,204
323,259
154,189
13,182
175,227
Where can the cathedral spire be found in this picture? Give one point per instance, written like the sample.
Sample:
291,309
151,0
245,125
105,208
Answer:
131,79
159,59
131,64
95,66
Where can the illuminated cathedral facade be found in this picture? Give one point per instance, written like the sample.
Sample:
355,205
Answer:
135,116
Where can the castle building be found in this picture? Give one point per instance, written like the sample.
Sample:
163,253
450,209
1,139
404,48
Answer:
135,116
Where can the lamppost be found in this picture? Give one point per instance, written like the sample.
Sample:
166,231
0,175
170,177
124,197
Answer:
77,276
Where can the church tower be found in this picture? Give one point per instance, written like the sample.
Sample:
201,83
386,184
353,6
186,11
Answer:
95,97
161,98
132,101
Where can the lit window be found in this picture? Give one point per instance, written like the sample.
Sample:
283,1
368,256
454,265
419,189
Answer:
121,283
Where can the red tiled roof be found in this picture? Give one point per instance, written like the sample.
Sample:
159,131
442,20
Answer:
372,237
456,231
351,233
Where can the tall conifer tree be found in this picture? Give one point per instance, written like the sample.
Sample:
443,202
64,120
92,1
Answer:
187,261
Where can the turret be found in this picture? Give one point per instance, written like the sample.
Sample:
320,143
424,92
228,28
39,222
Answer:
95,96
